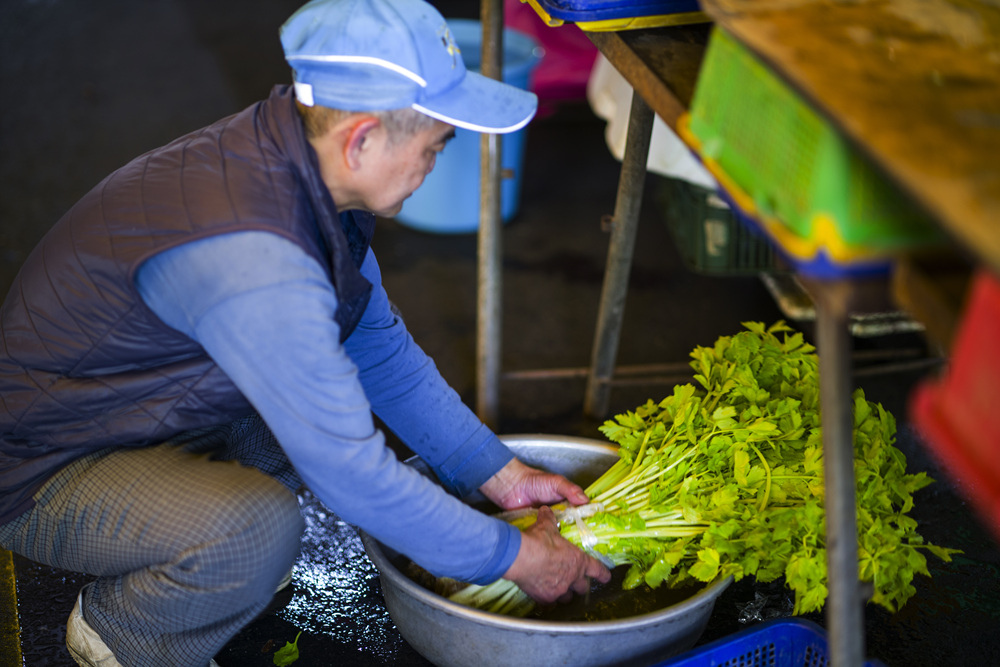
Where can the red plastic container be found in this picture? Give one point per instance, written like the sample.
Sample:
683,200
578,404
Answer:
959,414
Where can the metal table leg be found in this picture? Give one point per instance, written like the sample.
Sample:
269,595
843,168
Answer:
489,279
616,274
844,606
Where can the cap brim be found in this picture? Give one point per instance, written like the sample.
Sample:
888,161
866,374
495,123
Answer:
482,104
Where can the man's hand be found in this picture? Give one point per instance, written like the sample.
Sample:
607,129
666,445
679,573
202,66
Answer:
517,485
548,567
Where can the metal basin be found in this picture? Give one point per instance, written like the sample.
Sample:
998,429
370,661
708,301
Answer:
448,634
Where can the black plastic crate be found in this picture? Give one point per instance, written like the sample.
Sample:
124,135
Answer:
710,237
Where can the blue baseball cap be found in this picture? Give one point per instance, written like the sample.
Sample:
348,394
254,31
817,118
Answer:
375,55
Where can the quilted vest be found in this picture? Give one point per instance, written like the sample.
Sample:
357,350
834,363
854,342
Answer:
84,364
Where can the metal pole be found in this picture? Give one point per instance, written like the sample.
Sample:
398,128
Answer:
489,279
620,249
844,607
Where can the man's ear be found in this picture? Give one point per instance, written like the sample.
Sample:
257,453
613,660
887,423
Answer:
359,140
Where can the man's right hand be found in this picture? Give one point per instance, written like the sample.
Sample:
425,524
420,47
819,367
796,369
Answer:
548,567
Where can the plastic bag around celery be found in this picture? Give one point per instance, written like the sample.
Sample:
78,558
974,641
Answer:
777,603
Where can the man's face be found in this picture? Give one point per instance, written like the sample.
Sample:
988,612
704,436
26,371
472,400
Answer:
399,167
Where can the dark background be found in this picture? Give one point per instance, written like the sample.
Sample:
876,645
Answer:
86,86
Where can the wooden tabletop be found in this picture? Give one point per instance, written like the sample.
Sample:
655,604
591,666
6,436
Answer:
661,64
914,84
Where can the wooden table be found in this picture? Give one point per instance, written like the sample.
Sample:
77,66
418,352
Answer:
914,84
662,67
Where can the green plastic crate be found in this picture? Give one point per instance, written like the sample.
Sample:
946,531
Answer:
792,167
710,238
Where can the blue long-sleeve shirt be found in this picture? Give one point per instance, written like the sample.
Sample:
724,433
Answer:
263,310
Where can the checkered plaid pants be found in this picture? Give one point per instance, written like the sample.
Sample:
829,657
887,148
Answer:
188,539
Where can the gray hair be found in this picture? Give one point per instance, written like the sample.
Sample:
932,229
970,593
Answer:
400,123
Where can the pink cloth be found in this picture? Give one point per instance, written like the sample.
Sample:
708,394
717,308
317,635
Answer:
569,55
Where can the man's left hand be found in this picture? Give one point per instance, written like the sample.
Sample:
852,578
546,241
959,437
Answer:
518,485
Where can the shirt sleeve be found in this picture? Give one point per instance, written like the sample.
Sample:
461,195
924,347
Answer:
263,310
408,393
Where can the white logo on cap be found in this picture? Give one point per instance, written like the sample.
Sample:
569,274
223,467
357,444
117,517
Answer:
304,93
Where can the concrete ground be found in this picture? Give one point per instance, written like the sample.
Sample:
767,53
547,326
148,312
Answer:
87,86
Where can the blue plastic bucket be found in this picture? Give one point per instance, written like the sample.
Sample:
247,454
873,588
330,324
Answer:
448,200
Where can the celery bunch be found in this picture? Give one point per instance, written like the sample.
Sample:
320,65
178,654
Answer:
727,480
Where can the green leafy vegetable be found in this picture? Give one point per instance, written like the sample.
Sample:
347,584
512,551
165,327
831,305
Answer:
726,479
288,653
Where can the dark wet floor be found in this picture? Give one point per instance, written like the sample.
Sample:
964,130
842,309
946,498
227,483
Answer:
87,86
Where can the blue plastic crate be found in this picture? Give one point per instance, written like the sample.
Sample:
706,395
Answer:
793,642
605,15
602,10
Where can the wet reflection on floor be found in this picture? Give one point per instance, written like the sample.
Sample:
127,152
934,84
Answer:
336,588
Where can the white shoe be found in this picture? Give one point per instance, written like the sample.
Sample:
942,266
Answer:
83,642
285,580
85,645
